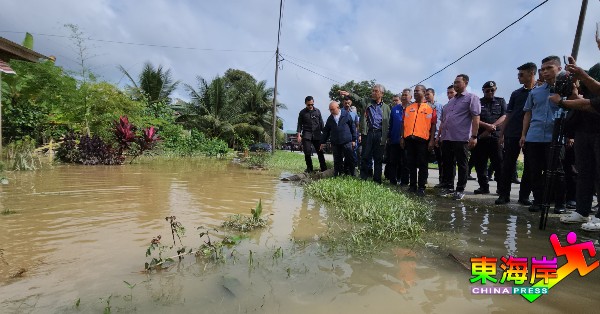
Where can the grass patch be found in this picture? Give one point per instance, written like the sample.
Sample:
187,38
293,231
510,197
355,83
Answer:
375,215
282,160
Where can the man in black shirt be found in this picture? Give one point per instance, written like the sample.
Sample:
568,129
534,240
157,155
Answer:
310,126
510,135
493,113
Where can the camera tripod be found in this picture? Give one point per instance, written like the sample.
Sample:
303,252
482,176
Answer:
554,169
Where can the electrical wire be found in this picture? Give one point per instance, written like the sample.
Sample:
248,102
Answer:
142,44
311,71
511,24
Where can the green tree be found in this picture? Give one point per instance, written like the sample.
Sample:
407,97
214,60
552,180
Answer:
362,89
153,84
33,100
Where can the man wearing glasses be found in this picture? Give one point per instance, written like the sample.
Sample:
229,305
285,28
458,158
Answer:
493,113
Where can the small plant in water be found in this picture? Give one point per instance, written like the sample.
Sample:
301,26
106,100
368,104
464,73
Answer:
7,211
107,307
247,223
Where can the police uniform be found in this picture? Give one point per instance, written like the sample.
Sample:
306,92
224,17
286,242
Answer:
487,143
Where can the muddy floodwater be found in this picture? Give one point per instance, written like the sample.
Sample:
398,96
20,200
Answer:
76,233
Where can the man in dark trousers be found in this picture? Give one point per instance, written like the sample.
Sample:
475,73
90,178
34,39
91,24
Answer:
417,138
310,126
375,125
493,113
510,135
340,126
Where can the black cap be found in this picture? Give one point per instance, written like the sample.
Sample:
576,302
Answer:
489,84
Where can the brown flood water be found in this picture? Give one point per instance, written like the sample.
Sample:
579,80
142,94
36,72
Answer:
79,232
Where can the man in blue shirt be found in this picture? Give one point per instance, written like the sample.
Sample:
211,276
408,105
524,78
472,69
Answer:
394,135
375,125
536,136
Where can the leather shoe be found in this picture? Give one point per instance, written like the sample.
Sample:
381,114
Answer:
525,202
502,200
481,191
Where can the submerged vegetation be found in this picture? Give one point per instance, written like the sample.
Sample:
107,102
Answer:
246,223
371,214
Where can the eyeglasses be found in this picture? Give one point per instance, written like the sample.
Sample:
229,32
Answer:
488,90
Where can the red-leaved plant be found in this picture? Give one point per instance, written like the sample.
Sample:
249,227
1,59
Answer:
125,133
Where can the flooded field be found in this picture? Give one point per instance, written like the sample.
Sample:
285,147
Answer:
77,233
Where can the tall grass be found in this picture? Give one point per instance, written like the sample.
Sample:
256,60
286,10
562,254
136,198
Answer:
374,214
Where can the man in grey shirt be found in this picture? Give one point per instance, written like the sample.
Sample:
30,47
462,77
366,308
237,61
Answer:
458,134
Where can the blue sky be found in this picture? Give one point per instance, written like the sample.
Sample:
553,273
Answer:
397,43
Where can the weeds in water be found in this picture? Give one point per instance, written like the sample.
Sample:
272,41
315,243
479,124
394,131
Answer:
178,230
2,257
130,286
375,215
107,307
6,212
77,303
245,223
278,253
22,153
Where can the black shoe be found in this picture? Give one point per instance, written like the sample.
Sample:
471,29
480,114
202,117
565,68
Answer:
481,191
560,210
439,186
421,192
525,202
516,181
412,189
571,204
535,208
502,200
471,178
458,195
307,171
446,192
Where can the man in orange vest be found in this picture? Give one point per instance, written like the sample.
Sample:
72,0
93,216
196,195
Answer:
417,138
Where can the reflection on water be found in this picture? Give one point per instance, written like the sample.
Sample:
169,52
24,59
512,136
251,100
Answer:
79,232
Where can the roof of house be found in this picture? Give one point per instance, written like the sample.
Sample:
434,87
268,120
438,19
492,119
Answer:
10,50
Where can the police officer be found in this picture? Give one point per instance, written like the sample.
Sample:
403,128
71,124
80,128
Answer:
310,126
493,113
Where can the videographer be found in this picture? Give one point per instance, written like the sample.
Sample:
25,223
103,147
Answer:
536,136
587,143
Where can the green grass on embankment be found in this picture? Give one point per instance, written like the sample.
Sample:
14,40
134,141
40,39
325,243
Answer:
375,214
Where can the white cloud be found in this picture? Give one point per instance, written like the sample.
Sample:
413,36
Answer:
398,43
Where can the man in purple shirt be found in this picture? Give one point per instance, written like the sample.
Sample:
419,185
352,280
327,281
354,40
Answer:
458,134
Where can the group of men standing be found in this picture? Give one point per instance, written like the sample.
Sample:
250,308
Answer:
485,129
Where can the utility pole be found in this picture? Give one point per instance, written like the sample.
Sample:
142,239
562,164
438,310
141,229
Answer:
274,133
577,40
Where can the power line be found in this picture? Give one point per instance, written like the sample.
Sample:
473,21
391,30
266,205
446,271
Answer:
141,44
311,71
511,24
316,65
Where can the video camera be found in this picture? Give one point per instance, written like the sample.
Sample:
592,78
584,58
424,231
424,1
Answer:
563,85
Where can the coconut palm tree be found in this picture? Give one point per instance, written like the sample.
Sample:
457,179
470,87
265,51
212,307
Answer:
153,84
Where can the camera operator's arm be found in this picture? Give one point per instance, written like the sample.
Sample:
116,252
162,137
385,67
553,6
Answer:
580,74
576,104
526,120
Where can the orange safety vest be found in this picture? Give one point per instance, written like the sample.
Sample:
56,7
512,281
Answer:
418,120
